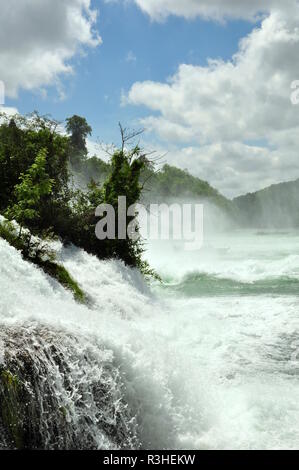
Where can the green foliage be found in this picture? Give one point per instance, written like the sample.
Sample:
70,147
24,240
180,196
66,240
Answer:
34,185
126,168
93,169
8,233
58,272
79,130
36,189
21,140
11,407
124,180
172,182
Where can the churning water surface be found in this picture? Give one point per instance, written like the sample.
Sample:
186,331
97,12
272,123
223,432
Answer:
207,360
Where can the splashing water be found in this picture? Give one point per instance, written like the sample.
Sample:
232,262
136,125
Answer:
206,361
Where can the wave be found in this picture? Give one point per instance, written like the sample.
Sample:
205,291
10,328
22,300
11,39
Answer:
241,257
200,284
137,369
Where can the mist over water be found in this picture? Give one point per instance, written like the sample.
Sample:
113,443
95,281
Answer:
207,360
235,305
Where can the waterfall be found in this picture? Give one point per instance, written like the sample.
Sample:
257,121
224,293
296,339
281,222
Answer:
75,376
208,360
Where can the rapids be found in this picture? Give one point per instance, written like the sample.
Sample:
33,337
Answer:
208,360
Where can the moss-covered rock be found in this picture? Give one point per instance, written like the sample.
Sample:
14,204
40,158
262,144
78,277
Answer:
12,408
58,272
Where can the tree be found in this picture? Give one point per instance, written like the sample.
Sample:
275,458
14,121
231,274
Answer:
127,165
79,130
21,139
34,185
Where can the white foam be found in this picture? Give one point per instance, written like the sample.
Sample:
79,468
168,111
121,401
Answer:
199,373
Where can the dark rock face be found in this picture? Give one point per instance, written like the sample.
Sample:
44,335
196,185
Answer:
60,392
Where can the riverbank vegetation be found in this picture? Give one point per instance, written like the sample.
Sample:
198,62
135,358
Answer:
39,163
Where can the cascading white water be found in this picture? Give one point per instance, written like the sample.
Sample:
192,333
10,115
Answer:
67,392
187,367
110,333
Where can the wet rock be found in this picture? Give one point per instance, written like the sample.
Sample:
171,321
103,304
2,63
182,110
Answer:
58,391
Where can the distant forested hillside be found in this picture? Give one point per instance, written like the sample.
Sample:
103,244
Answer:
276,206
168,183
91,169
172,182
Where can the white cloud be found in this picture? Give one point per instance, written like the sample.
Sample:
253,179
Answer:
233,122
236,168
131,57
38,38
210,9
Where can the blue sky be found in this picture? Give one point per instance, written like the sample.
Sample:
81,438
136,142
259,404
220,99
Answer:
230,121
134,48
